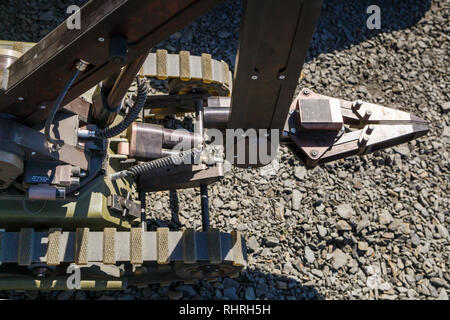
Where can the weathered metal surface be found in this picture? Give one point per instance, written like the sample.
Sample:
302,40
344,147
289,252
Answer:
371,127
275,38
144,23
35,142
88,210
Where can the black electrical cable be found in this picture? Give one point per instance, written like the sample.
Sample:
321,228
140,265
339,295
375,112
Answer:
147,167
141,98
56,106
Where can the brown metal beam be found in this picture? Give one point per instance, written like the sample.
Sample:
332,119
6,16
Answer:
275,38
51,62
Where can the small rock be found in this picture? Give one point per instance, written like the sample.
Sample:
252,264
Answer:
309,255
403,150
230,293
443,295
363,246
296,199
345,211
253,244
217,203
250,294
341,225
385,286
281,285
300,172
339,259
272,242
438,282
322,230
230,283
445,107
385,217
233,205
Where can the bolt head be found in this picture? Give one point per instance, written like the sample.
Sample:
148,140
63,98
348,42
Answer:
306,92
101,39
293,130
357,104
314,153
254,77
282,77
20,98
43,107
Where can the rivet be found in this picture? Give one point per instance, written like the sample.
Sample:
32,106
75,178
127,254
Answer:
314,153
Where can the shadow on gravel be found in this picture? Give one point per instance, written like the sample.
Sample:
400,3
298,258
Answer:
342,23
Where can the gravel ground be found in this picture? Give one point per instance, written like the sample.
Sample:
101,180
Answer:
371,227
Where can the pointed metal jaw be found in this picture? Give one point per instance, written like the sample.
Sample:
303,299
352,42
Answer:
327,129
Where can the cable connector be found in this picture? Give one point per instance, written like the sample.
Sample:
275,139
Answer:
86,134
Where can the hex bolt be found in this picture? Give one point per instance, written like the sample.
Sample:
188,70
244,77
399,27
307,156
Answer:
364,140
314,153
367,115
293,130
357,104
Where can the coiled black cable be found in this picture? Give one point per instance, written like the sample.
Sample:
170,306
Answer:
141,98
147,167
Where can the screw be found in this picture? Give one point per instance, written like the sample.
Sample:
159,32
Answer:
306,92
293,130
254,77
101,39
314,153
